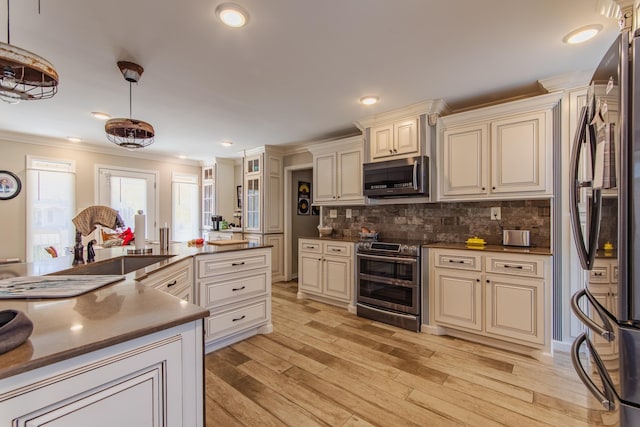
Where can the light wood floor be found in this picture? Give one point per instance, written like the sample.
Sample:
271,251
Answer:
325,366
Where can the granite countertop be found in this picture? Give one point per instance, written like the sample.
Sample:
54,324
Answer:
68,327
492,248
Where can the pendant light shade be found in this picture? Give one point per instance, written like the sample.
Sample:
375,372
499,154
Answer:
24,76
129,133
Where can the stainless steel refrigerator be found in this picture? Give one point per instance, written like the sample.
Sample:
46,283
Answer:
605,210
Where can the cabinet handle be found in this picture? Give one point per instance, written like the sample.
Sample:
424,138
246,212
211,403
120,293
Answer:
513,266
455,261
172,284
239,318
238,289
336,250
597,274
233,264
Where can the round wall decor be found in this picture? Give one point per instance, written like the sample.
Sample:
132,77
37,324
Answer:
10,185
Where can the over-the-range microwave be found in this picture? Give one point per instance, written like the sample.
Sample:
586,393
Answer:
397,178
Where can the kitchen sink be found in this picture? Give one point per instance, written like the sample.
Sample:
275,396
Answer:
121,265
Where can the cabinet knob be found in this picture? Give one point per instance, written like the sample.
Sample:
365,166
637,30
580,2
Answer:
395,151
390,151
488,281
477,280
493,188
338,197
483,188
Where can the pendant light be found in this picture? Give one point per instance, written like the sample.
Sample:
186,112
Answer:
24,76
129,133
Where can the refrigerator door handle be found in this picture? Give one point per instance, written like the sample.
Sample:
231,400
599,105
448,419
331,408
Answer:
605,331
606,396
586,254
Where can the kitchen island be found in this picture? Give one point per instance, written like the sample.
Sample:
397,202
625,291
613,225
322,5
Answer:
121,354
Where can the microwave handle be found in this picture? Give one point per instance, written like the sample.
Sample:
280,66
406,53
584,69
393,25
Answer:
415,175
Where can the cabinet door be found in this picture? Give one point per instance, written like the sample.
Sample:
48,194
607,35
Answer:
464,161
515,308
310,273
406,139
252,205
381,144
518,156
350,175
458,299
207,197
337,276
324,177
273,198
277,255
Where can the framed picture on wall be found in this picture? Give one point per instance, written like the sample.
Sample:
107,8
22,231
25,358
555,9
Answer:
10,185
304,198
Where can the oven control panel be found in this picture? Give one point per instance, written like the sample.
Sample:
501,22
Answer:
383,248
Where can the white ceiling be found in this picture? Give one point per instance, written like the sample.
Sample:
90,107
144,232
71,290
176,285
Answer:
294,73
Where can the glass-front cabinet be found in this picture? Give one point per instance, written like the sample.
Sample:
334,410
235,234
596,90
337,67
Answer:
252,221
208,195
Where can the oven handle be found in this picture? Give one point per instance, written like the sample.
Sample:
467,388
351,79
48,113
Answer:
395,313
390,259
415,175
389,280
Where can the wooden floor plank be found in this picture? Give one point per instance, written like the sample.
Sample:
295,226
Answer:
325,366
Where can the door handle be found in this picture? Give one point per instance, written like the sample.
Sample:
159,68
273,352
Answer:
606,396
605,332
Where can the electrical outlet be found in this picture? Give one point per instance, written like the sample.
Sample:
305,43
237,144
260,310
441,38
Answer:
348,213
496,214
333,213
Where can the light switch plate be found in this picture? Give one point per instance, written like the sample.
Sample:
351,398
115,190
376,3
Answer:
348,213
333,213
496,214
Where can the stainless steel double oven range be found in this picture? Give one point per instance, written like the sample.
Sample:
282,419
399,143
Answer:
388,277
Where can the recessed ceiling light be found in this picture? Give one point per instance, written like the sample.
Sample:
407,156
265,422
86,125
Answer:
74,139
369,100
182,156
232,15
583,34
226,143
100,115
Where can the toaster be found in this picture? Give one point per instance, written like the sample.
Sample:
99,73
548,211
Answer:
515,238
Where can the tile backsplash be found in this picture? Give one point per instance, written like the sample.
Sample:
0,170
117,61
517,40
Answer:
445,222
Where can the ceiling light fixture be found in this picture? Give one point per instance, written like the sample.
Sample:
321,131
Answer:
129,133
74,139
583,34
100,115
24,76
369,100
226,143
232,15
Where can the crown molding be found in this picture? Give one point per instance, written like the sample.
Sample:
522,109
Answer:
429,107
567,81
92,148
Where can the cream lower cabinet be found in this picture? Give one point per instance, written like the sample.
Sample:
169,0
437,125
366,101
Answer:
326,271
603,285
176,279
498,296
150,381
236,289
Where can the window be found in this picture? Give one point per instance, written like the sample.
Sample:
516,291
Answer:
51,201
128,191
184,207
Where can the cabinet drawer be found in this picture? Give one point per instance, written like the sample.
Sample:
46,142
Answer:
233,262
519,267
338,248
226,291
310,246
462,261
599,275
237,319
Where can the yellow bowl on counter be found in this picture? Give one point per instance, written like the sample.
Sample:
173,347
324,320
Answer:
475,241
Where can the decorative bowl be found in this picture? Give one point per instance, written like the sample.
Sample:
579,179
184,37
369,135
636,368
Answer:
325,231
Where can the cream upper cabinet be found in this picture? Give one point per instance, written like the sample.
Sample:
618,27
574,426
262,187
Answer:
397,139
218,191
499,152
337,172
263,202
